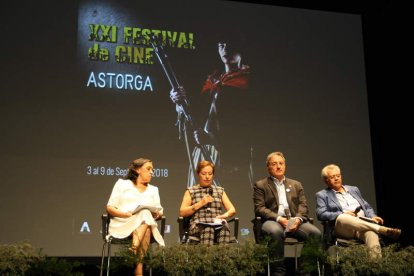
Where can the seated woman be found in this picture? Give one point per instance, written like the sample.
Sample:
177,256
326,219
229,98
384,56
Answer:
203,202
126,195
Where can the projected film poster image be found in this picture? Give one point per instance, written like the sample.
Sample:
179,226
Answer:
188,78
179,84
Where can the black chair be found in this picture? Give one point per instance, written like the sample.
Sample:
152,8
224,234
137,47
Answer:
184,226
332,243
289,241
106,219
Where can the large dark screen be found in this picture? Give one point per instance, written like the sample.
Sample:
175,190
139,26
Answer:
84,97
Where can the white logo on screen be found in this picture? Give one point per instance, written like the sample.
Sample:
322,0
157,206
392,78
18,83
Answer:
85,227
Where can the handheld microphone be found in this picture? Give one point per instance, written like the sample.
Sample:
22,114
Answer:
287,213
357,210
210,192
291,221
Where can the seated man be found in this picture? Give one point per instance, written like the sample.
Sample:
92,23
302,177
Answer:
276,199
342,205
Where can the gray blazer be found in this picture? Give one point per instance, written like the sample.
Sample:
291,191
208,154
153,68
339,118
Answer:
266,199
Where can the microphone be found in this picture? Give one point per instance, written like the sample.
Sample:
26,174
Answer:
287,213
291,221
210,192
357,210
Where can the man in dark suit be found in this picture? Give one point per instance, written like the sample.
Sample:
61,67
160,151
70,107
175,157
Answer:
276,199
342,206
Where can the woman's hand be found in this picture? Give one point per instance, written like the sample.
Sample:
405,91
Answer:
156,215
125,215
115,212
206,199
223,216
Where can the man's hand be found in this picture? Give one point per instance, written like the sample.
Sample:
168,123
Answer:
295,226
351,213
200,136
283,221
379,220
178,96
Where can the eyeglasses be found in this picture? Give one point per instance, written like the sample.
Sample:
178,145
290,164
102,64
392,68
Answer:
334,176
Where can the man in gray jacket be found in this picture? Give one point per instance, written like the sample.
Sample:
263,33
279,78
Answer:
281,203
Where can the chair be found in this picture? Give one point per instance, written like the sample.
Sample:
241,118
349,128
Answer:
184,225
289,241
106,219
332,242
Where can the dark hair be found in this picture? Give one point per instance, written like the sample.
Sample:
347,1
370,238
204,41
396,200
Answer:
235,41
204,164
136,164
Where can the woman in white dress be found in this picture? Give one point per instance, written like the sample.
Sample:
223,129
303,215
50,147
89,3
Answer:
126,195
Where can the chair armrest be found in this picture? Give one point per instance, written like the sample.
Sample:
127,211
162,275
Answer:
235,220
328,235
163,221
183,228
257,228
105,225
180,221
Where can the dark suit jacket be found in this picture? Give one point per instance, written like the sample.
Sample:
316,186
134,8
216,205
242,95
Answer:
328,208
266,199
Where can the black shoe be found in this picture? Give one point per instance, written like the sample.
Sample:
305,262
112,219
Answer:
278,271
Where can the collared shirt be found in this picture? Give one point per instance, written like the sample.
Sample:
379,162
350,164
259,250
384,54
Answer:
281,192
348,202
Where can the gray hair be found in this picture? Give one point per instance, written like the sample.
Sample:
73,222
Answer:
324,172
270,155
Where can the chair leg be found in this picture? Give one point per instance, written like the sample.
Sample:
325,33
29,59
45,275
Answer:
337,252
296,257
102,259
109,258
268,265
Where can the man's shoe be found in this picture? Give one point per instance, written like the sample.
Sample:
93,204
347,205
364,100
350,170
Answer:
393,233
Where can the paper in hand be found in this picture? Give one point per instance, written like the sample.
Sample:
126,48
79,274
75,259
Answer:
216,223
152,209
369,220
291,223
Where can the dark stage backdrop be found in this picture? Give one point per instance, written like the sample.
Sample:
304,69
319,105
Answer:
83,94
